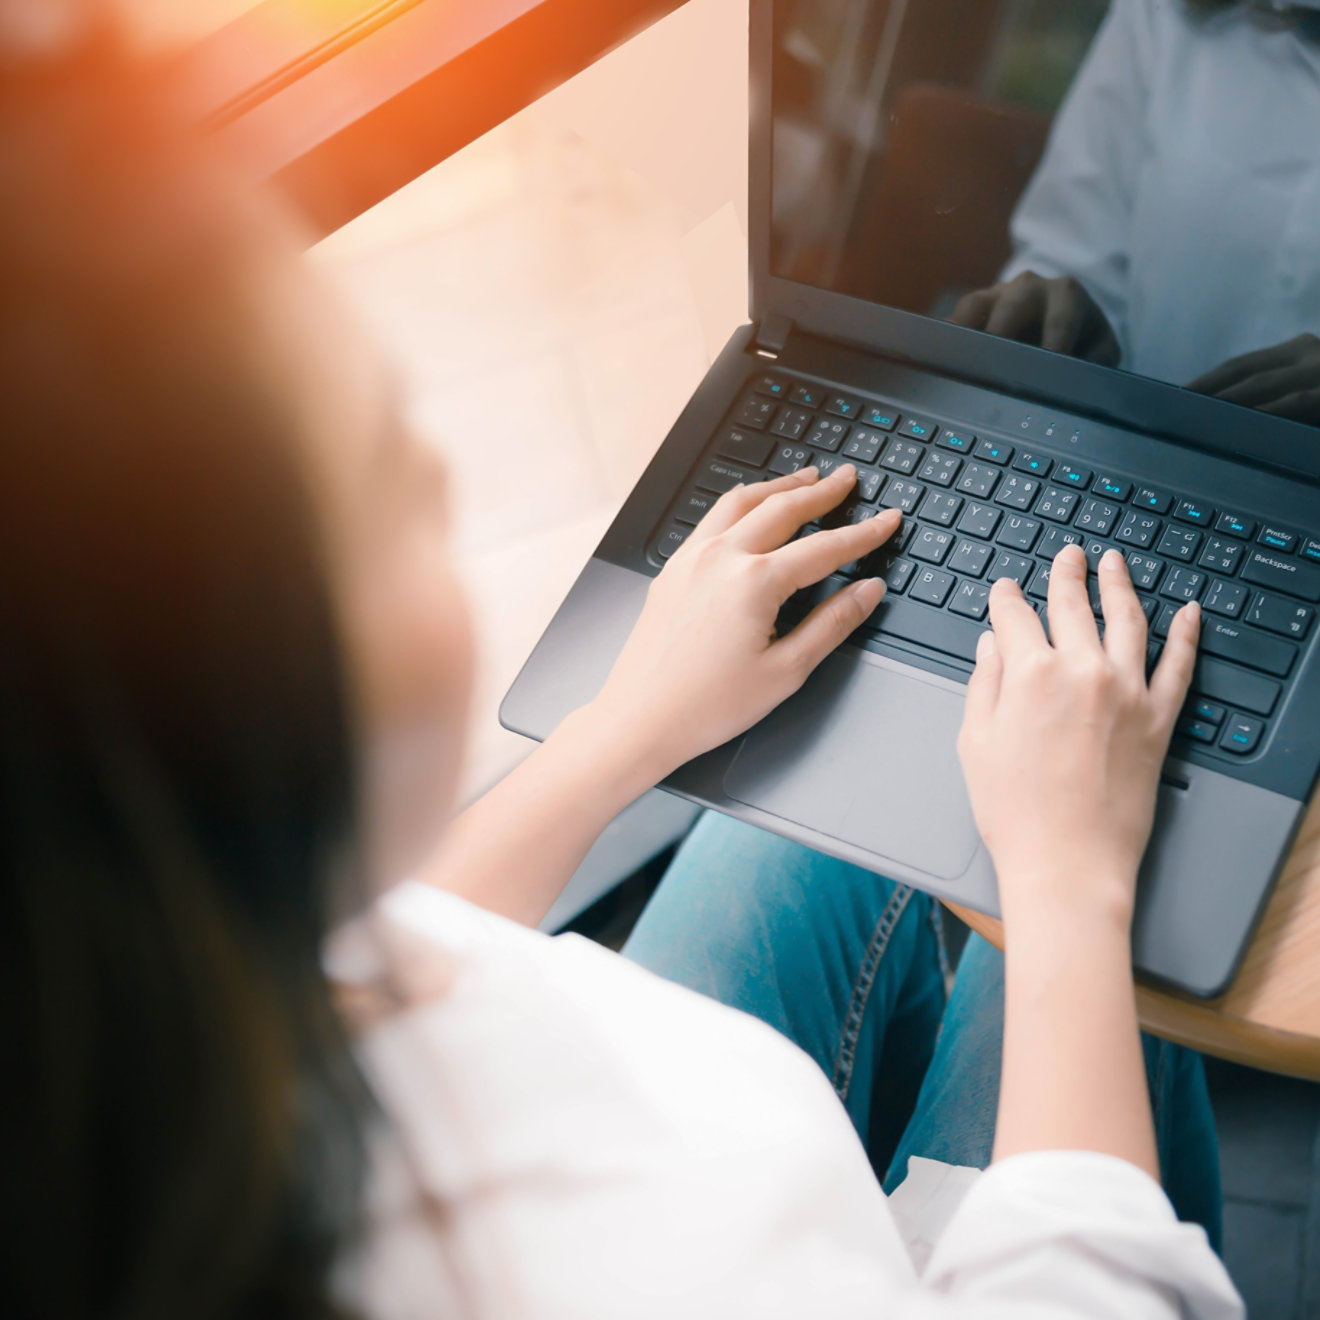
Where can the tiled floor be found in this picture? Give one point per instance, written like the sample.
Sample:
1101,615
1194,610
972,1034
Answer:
553,295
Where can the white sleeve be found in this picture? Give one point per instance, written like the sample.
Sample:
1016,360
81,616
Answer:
1072,1236
1075,216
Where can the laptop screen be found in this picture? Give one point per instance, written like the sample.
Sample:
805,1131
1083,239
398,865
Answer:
1132,182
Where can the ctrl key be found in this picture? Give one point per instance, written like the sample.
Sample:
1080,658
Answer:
1242,735
671,538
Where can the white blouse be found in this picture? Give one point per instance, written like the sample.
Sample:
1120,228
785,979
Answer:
572,1138
1181,186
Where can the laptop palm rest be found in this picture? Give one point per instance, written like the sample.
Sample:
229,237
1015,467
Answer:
837,758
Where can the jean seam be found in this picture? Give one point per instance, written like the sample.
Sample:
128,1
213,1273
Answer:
861,992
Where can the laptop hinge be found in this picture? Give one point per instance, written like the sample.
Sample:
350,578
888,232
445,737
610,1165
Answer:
773,335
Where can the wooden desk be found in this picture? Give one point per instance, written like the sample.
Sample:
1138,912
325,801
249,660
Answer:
1270,1018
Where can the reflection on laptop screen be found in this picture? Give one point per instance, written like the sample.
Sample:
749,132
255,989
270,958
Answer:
1136,183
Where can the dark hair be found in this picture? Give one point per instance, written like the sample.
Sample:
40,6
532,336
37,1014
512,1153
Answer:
183,1122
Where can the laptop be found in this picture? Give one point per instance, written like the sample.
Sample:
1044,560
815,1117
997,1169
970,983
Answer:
899,156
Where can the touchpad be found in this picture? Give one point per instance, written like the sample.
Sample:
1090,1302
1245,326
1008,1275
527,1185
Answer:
866,754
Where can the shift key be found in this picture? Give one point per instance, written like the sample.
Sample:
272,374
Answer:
1281,574
1247,647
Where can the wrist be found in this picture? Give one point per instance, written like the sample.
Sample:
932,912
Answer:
612,750
1063,905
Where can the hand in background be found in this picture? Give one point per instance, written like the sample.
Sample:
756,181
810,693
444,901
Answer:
1284,380
1056,314
1062,744
704,663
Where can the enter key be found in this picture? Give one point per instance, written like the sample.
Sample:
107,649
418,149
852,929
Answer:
1245,646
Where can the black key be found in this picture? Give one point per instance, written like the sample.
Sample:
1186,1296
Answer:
808,396
902,538
1183,584
1145,571
1226,598
671,538
1137,529
828,435
1040,582
791,423
941,509
789,458
961,442
826,463
775,386
1264,569
1179,545
918,428
971,599
864,444
937,629
1206,711
1011,565
993,451
1097,516
1220,554
1164,621
1018,492
1093,595
877,415
720,476
843,405
1036,465
1275,538
1153,649
1193,511
756,413
869,483
1018,533
1156,501
905,495
1055,539
902,457
1310,550
898,575
745,447
930,586
1234,524
1281,616
971,558
1242,735
931,545
1094,549
1075,477
693,507
980,520
1112,488
1149,605
1197,730
978,481
1234,687
940,469
1245,646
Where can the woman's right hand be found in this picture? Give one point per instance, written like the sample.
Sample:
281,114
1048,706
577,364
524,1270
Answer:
1056,314
1064,739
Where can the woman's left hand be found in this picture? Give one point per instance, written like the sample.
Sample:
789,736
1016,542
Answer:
704,662
1284,380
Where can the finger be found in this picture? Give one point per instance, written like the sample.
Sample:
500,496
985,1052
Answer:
1268,386
1065,315
1125,620
1173,674
1237,369
1099,343
1018,313
983,687
973,310
830,624
815,557
1072,625
1304,406
1018,629
777,519
736,504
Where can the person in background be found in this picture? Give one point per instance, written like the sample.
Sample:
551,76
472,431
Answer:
252,1070
1173,225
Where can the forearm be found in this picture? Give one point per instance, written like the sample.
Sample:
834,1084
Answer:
1073,1072
515,849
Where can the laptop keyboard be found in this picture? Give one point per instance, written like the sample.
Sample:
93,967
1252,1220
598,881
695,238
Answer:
977,508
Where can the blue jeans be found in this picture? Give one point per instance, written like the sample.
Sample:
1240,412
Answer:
850,966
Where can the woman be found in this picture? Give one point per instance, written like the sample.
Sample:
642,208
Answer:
235,665
1172,222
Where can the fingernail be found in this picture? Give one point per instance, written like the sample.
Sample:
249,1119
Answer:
894,515
844,470
870,591
1112,559
1193,610
985,646
808,473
